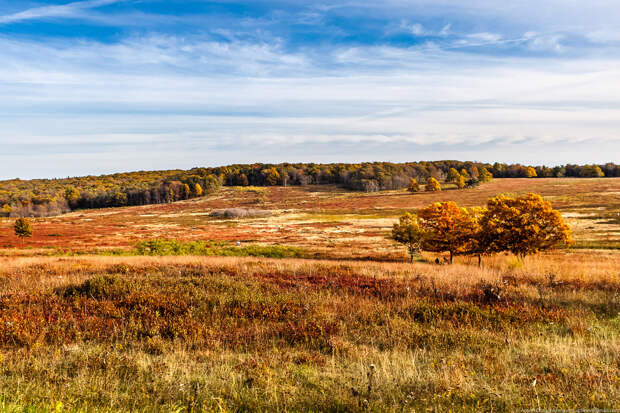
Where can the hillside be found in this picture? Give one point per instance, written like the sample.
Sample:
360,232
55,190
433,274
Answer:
324,220
49,197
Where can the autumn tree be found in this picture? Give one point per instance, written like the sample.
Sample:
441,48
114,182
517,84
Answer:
6,210
479,244
432,185
197,190
407,232
72,195
530,172
272,177
465,173
523,225
485,175
22,228
413,185
474,173
453,175
460,182
591,171
446,227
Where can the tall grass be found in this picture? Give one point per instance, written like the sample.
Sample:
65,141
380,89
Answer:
192,333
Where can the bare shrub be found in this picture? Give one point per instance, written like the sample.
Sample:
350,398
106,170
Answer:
238,213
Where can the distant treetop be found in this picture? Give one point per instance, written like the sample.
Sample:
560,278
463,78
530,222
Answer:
44,197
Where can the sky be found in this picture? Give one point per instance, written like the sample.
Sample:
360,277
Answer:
103,86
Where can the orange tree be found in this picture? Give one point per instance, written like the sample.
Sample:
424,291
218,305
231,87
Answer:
407,231
523,225
432,185
447,227
413,185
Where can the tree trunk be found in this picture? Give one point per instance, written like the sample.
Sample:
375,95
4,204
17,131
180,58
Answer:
479,260
451,257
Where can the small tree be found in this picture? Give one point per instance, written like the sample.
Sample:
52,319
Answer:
197,190
460,182
413,185
446,227
530,172
453,175
591,171
272,176
407,231
465,173
485,175
23,229
432,185
523,225
72,195
479,244
6,210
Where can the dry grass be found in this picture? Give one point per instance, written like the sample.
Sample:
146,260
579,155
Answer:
188,333
230,334
329,221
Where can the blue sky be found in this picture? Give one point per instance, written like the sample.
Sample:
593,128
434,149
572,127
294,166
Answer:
98,86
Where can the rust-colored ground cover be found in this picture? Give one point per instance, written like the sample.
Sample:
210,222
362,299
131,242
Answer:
326,220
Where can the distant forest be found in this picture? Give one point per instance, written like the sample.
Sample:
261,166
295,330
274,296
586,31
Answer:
46,197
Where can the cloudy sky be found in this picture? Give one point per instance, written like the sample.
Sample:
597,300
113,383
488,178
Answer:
99,86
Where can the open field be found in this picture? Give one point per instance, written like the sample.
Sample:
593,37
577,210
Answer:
327,221
230,334
351,327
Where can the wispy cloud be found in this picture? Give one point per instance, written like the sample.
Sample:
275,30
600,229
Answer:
348,80
70,10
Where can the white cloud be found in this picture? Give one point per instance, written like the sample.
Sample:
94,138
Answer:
380,101
604,36
70,10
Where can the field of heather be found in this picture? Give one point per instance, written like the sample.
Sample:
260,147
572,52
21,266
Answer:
88,325
327,222
234,334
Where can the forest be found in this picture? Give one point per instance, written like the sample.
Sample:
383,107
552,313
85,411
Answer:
48,197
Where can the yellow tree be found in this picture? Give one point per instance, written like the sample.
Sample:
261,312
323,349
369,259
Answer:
6,209
22,228
530,172
197,190
413,185
432,185
72,195
460,182
453,175
523,225
479,244
272,177
446,227
407,232
485,175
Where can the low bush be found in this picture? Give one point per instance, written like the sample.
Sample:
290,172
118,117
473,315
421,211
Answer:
211,248
238,213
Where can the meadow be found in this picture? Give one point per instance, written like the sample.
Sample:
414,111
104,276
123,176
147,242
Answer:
336,320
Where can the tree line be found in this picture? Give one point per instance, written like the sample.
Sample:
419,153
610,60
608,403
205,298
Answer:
522,225
45,197
48,197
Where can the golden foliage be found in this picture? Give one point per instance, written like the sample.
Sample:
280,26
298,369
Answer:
432,185
413,186
446,227
523,225
407,231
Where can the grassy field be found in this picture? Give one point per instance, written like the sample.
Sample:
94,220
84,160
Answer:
349,327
